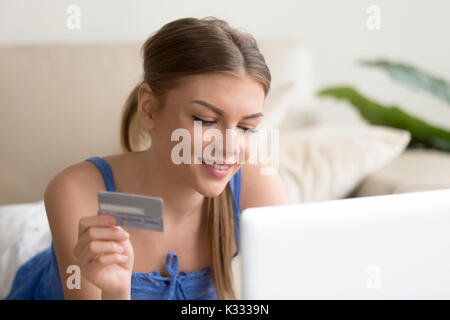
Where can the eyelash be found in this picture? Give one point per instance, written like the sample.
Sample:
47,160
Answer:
210,123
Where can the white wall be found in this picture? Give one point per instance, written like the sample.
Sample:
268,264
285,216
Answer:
416,32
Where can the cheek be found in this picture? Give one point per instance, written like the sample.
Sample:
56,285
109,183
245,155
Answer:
204,143
163,132
242,147
239,147
181,132
248,147
197,144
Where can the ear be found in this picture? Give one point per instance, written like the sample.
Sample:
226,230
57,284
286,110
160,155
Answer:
147,103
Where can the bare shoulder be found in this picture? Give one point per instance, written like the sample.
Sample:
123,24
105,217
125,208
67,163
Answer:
77,180
78,172
74,189
83,177
261,186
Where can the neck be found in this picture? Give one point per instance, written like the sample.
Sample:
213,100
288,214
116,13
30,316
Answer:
181,203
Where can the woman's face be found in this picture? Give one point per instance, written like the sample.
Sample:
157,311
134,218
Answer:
218,101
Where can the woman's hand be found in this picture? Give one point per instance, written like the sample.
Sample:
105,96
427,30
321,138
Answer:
105,255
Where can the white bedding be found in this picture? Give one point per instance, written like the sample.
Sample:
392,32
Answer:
24,232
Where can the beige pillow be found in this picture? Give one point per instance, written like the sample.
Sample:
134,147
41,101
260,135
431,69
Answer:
414,170
327,162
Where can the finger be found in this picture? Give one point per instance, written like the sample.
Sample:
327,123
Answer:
107,259
95,248
95,267
85,223
97,233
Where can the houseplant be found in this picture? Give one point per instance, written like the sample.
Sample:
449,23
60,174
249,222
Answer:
423,134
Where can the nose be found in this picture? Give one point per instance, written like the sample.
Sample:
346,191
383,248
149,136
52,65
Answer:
233,146
228,147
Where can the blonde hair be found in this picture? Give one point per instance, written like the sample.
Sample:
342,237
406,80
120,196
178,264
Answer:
194,46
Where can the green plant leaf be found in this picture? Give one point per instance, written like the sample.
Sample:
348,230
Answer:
375,113
413,77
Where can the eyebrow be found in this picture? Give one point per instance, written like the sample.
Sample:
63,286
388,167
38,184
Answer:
220,111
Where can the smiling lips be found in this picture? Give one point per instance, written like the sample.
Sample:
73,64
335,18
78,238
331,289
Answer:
218,170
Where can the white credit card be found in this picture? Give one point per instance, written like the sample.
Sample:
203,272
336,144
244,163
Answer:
132,210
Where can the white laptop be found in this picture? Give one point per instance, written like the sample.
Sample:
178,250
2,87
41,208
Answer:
381,247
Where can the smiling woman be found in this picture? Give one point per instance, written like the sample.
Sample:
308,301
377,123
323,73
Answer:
226,82
195,71
227,70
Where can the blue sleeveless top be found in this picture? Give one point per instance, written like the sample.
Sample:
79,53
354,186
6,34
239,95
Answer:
39,277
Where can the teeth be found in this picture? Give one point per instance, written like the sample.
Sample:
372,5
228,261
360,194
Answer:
217,166
220,167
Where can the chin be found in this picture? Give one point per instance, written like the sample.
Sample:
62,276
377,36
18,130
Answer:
212,190
211,183
211,186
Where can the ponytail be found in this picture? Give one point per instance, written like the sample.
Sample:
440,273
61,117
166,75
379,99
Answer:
131,137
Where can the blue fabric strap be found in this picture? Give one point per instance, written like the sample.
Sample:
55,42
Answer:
106,172
172,268
235,185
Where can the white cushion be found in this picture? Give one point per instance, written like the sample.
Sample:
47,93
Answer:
328,162
24,232
414,170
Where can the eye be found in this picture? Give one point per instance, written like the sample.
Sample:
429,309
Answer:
210,123
204,122
249,130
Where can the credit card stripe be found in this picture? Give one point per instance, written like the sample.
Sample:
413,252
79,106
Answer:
125,209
